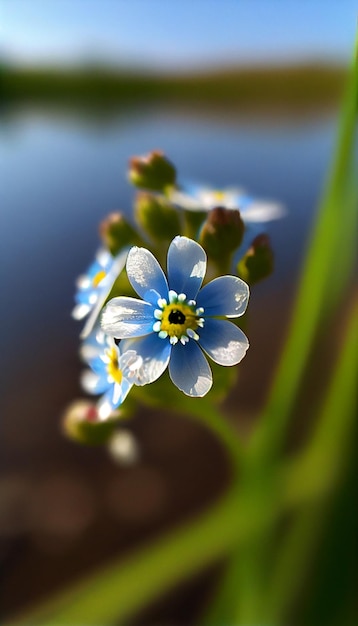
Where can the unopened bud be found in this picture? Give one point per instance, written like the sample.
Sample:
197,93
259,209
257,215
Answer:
156,216
221,232
258,261
81,423
152,171
116,233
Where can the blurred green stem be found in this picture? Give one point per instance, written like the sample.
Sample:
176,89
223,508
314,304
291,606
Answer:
324,462
335,223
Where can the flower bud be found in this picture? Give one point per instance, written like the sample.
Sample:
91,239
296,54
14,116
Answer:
81,423
258,261
221,233
156,216
152,171
116,233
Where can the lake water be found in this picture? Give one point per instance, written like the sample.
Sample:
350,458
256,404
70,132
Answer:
62,172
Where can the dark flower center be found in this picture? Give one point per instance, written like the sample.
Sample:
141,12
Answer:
176,317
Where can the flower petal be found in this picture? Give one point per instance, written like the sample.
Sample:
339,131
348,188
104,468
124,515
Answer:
80,311
189,370
226,295
93,382
104,290
258,211
152,357
125,317
224,342
186,266
145,275
113,398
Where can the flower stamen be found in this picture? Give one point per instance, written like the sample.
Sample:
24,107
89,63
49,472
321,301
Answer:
178,319
114,372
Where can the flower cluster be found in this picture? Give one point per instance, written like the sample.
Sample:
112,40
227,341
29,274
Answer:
142,321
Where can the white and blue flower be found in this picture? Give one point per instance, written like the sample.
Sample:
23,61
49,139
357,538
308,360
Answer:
109,373
177,321
203,198
94,286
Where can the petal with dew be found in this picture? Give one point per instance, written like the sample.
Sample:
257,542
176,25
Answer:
224,342
125,317
149,358
145,275
186,266
189,370
226,295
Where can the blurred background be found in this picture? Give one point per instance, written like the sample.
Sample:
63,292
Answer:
235,93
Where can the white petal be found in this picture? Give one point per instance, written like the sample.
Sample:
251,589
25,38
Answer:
189,370
186,266
105,288
261,211
93,383
224,342
149,358
226,295
80,311
125,317
145,275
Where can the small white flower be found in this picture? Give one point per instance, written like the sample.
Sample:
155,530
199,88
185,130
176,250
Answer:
203,198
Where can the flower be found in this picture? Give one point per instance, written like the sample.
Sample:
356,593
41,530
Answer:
109,373
202,198
176,322
94,286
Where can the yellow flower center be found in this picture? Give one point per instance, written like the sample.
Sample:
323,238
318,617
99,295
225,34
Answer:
218,195
98,277
112,368
179,319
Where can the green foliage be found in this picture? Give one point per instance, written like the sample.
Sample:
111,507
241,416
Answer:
299,86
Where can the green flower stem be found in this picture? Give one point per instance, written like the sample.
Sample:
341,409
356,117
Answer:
210,417
322,465
306,484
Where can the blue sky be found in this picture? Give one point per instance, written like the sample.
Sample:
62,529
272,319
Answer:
177,33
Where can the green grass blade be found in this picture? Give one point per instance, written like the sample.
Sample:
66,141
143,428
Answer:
322,465
335,224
